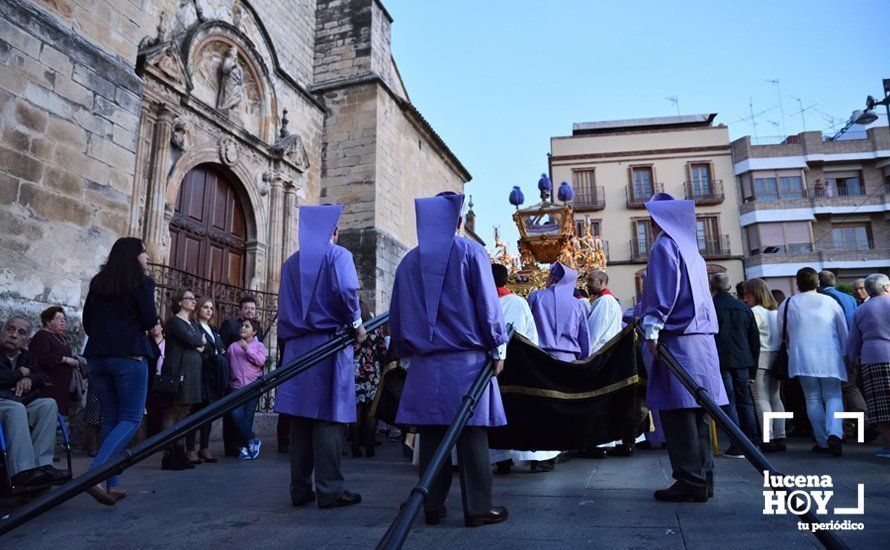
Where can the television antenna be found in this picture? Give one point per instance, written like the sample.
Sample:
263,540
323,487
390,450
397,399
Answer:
775,82
676,101
802,110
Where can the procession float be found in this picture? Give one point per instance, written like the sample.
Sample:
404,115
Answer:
547,234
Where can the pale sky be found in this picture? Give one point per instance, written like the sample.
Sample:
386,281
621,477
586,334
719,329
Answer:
498,78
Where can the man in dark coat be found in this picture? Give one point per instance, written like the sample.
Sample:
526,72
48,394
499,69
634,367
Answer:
738,346
29,421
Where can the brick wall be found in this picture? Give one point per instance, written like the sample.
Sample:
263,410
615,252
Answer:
68,113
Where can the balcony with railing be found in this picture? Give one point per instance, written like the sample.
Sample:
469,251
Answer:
589,198
830,191
714,247
639,250
704,192
638,194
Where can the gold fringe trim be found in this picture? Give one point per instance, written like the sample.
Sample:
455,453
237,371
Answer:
553,394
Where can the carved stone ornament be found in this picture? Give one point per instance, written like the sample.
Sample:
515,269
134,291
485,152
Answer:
171,65
290,148
222,79
228,151
180,136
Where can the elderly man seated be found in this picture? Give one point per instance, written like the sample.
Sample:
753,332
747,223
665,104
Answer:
29,421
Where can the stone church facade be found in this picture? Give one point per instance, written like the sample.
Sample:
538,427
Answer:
201,126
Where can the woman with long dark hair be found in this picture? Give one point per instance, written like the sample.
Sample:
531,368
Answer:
182,361
118,310
215,378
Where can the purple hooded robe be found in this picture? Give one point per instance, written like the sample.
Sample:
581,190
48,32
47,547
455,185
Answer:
560,317
677,296
318,297
445,319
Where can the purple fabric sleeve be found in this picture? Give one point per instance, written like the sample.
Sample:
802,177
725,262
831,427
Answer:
662,280
488,309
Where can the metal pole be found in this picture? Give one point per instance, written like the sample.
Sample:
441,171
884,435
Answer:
752,452
153,444
398,530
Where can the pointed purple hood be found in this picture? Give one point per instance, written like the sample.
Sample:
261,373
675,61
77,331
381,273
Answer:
563,295
676,218
436,226
317,224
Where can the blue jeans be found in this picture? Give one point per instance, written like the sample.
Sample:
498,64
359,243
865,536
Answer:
243,417
741,405
121,385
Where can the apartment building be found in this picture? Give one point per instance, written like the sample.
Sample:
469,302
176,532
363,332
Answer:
616,166
817,202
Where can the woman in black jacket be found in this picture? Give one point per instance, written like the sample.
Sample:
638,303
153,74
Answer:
182,363
215,378
118,310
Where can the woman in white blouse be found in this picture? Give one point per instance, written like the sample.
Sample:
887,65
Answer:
766,386
817,333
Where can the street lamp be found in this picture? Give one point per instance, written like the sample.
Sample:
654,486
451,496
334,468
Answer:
868,116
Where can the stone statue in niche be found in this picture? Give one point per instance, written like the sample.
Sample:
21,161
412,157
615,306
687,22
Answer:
180,137
231,83
237,15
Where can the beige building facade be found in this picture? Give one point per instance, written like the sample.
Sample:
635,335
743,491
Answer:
815,202
615,166
201,126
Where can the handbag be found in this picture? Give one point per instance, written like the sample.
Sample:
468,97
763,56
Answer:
780,365
167,384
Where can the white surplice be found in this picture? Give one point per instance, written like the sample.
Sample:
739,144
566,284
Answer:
604,321
516,311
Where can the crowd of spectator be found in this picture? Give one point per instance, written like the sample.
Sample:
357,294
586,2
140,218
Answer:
833,346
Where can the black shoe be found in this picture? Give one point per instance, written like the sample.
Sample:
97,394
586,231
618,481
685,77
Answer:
768,448
543,465
645,445
407,452
621,450
34,477
780,444
835,446
680,492
734,452
497,514
347,499
356,451
435,516
55,475
369,451
594,452
504,467
821,450
302,501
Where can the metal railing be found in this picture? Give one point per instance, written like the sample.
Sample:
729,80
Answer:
636,198
787,248
225,297
848,246
832,191
714,246
639,250
704,192
590,198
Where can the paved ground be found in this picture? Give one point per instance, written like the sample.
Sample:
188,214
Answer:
583,503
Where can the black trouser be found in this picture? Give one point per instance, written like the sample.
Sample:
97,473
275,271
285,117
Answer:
204,429
315,445
688,438
475,470
361,432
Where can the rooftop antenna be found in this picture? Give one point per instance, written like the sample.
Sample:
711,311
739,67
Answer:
753,118
676,101
775,82
774,124
802,110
